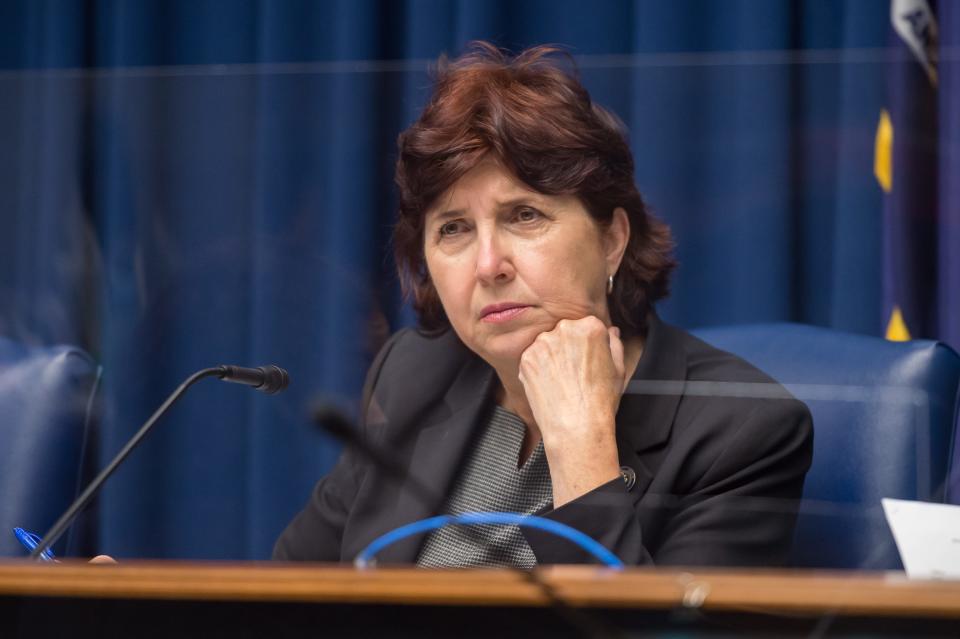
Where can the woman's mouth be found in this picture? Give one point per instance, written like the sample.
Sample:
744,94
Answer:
498,313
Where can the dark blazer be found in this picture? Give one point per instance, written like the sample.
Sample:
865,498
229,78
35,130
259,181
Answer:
718,478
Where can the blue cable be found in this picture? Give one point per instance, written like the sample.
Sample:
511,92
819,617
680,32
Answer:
365,558
31,541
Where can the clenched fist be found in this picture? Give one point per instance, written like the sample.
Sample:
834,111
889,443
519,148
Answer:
573,377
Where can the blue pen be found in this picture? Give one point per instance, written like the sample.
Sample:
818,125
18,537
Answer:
31,541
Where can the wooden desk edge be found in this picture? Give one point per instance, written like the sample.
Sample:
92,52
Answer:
760,591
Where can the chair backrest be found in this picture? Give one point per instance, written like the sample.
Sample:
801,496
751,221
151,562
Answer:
884,420
46,403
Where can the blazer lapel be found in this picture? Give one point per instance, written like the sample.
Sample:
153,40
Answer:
649,405
438,454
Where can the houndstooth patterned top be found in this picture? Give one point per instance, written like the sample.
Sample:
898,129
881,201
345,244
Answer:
491,481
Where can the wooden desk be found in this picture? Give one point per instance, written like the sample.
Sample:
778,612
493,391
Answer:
298,597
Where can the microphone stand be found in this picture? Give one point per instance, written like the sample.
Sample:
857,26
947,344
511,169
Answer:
81,502
271,379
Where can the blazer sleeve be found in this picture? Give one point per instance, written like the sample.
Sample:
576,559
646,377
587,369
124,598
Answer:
315,534
741,512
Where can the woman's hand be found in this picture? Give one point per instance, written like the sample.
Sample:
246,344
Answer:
573,377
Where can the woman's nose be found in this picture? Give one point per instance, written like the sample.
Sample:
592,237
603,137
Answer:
494,260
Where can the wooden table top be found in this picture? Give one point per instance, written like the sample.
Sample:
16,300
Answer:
802,592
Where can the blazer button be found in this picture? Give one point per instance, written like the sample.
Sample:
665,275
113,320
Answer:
629,477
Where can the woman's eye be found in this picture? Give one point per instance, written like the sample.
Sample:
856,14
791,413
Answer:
450,228
528,215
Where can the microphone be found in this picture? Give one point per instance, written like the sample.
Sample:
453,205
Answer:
335,423
269,379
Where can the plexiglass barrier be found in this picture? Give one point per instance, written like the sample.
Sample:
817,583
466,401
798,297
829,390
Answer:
166,219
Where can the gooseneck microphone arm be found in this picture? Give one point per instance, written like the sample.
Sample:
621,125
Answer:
337,424
273,379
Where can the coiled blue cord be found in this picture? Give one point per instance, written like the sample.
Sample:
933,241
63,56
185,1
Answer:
366,557
31,541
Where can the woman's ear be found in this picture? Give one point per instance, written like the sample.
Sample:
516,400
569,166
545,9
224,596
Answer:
616,238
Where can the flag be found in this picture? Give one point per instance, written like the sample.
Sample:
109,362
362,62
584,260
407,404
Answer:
949,246
949,213
917,165
906,167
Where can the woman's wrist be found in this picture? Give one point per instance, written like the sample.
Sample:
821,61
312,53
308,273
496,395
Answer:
579,465
569,488
580,439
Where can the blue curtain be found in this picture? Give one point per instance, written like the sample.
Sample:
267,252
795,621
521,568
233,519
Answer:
186,183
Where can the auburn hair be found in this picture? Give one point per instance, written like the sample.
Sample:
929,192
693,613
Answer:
533,115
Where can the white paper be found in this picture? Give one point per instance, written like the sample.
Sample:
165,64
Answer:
927,536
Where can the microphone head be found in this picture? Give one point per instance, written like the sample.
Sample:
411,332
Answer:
275,379
334,422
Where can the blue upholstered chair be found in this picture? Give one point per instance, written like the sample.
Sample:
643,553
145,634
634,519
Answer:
46,404
884,416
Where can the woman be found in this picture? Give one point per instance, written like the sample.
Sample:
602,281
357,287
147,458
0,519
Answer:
534,265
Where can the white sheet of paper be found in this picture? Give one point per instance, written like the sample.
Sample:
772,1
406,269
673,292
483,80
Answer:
927,536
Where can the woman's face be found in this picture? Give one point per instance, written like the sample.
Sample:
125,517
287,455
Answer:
508,263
